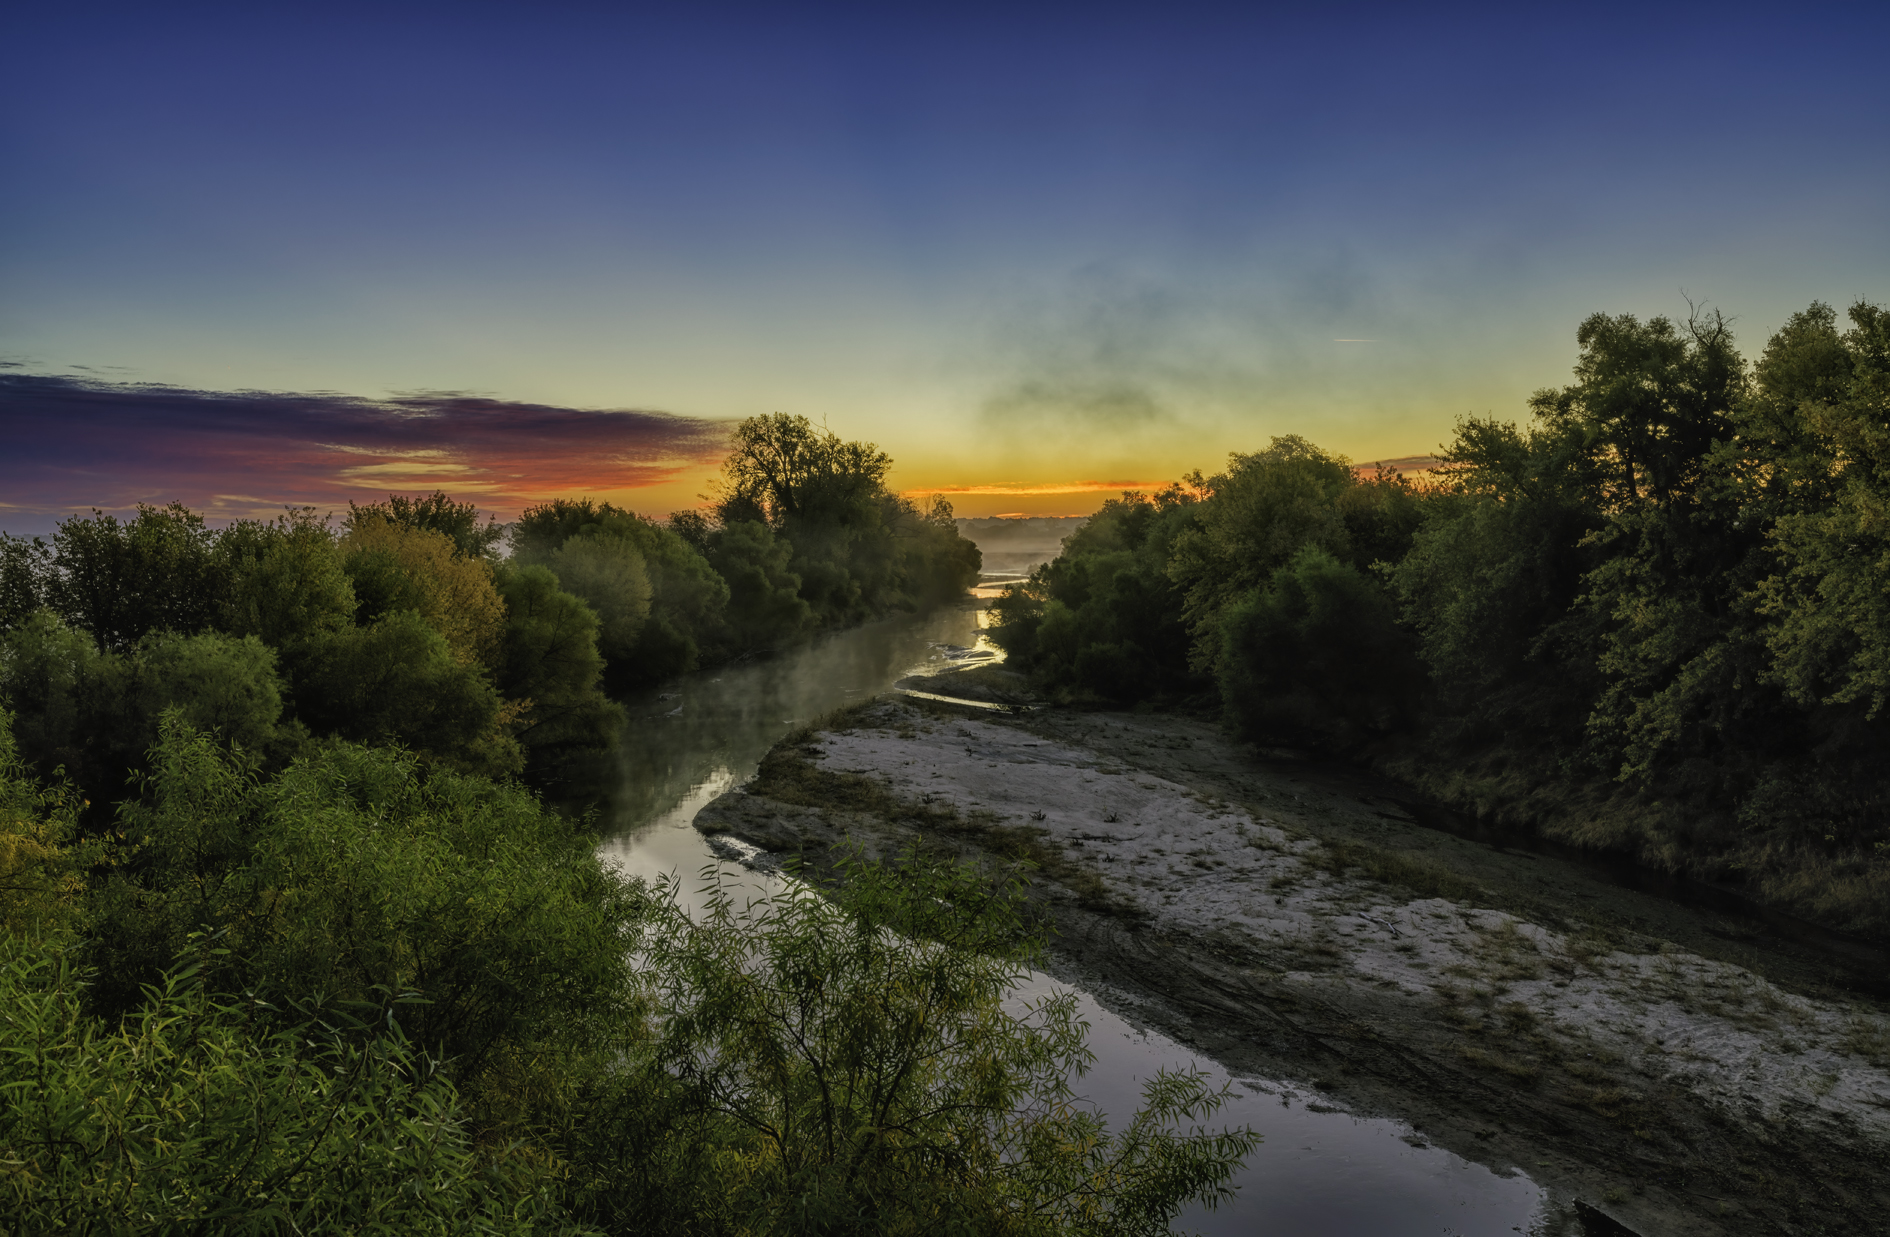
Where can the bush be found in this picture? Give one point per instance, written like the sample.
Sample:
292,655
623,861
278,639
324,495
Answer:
354,872
202,1113
607,572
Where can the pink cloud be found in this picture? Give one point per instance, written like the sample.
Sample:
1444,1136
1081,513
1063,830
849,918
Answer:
72,445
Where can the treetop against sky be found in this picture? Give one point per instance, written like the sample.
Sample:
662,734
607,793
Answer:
1035,253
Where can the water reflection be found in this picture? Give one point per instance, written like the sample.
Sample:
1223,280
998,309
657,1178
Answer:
1322,1173
1318,1174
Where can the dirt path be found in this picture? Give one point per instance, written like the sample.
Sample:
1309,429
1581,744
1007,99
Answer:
1675,1068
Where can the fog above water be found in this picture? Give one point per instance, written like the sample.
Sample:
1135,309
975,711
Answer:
1318,1174
1019,543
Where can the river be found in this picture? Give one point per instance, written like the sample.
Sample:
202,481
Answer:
1319,1172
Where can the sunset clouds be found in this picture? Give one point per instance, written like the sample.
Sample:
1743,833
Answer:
73,444
1015,246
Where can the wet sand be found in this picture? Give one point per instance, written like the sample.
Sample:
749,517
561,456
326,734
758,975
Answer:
1670,1066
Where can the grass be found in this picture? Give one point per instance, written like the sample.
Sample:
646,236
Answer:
1520,1071
789,774
1868,1038
1424,878
1532,790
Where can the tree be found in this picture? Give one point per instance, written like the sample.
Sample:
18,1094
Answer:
1103,619
859,550
24,566
687,599
188,1116
858,1065
49,676
1676,553
398,680
1491,581
396,567
288,581
41,860
606,570
780,470
1832,642
356,872
1251,520
94,714
765,607
1649,401
1317,652
551,667
122,580
457,521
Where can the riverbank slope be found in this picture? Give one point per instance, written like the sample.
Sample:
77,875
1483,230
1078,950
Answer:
1672,1066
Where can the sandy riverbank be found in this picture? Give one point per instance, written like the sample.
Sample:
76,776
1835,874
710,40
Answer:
1295,922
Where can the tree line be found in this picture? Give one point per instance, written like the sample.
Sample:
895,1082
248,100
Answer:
413,621
1653,618
286,945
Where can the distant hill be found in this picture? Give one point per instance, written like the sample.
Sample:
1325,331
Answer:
1019,543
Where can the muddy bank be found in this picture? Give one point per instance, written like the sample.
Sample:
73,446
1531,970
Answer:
1676,1068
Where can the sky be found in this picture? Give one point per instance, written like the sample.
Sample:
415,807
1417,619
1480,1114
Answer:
257,254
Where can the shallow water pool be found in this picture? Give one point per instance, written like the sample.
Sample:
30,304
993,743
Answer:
1318,1173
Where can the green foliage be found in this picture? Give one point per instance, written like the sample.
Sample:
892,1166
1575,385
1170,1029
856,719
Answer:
219,684
854,1066
765,604
365,994
1492,577
51,675
1654,618
25,564
606,570
938,564
354,871
396,568
1134,605
287,586
41,859
1316,652
201,1113
1649,400
551,665
397,680
681,617
394,630
94,714
1832,596
1104,620
438,513
859,550
1259,513
120,581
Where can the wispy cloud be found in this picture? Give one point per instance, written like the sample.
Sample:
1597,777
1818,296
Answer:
1149,352
76,443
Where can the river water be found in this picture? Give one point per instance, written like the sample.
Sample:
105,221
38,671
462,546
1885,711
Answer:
1318,1174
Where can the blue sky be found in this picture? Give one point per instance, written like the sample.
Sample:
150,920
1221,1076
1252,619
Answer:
1024,247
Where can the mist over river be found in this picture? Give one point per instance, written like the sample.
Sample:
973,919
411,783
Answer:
1320,1171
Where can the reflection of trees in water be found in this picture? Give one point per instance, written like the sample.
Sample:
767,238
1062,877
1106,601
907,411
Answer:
732,715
